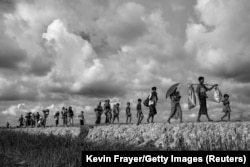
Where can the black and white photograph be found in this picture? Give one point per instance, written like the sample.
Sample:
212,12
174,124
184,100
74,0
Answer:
79,76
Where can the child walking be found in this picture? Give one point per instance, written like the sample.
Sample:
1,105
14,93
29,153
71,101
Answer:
226,107
116,112
128,113
140,115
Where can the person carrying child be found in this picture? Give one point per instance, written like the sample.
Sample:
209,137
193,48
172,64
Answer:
140,115
226,107
128,113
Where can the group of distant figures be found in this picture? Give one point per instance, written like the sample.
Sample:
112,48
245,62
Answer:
34,119
37,120
112,114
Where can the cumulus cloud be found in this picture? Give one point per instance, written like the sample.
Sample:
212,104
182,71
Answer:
220,40
61,53
12,110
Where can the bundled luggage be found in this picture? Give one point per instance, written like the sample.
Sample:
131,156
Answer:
191,97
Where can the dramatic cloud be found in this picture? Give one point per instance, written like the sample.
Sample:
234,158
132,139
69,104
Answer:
220,41
77,53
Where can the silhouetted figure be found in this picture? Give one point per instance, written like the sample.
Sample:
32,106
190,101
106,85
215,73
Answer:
45,116
37,118
21,121
28,119
128,113
71,116
226,107
99,112
33,120
202,96
56,117
153,98
116,111
81,118
107,110
7,125
140,115
176,111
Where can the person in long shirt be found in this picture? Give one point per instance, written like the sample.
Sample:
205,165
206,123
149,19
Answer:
140,115
37,118
66,116
176,111
21,121
98,111
116,112
108,113
56,116
71,116
33,120
202,97
81,118
153,98
128,113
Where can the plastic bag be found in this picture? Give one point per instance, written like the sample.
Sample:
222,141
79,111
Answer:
217,95
191,97
146,102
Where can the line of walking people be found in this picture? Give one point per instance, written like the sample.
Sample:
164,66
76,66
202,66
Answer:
34,119
112,114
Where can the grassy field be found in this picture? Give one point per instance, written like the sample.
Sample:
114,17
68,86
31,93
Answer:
44,149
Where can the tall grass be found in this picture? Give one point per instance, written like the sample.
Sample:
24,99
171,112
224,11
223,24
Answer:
43,150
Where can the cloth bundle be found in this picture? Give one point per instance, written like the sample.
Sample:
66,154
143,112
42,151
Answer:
191,97
217,95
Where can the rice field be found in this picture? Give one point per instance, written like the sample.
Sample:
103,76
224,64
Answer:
63,146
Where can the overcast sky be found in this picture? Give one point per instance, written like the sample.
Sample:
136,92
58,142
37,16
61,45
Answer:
56,53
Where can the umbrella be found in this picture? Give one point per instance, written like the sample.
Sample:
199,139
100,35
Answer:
172,89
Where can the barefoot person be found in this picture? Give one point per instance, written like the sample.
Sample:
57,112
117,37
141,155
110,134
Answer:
140,115
226,107
128,113
21,120
202,96
108,113
116,112
81,118
176,111
98,112
71,116
153,98
56,117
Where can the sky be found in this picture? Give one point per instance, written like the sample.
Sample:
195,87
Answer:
56,53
